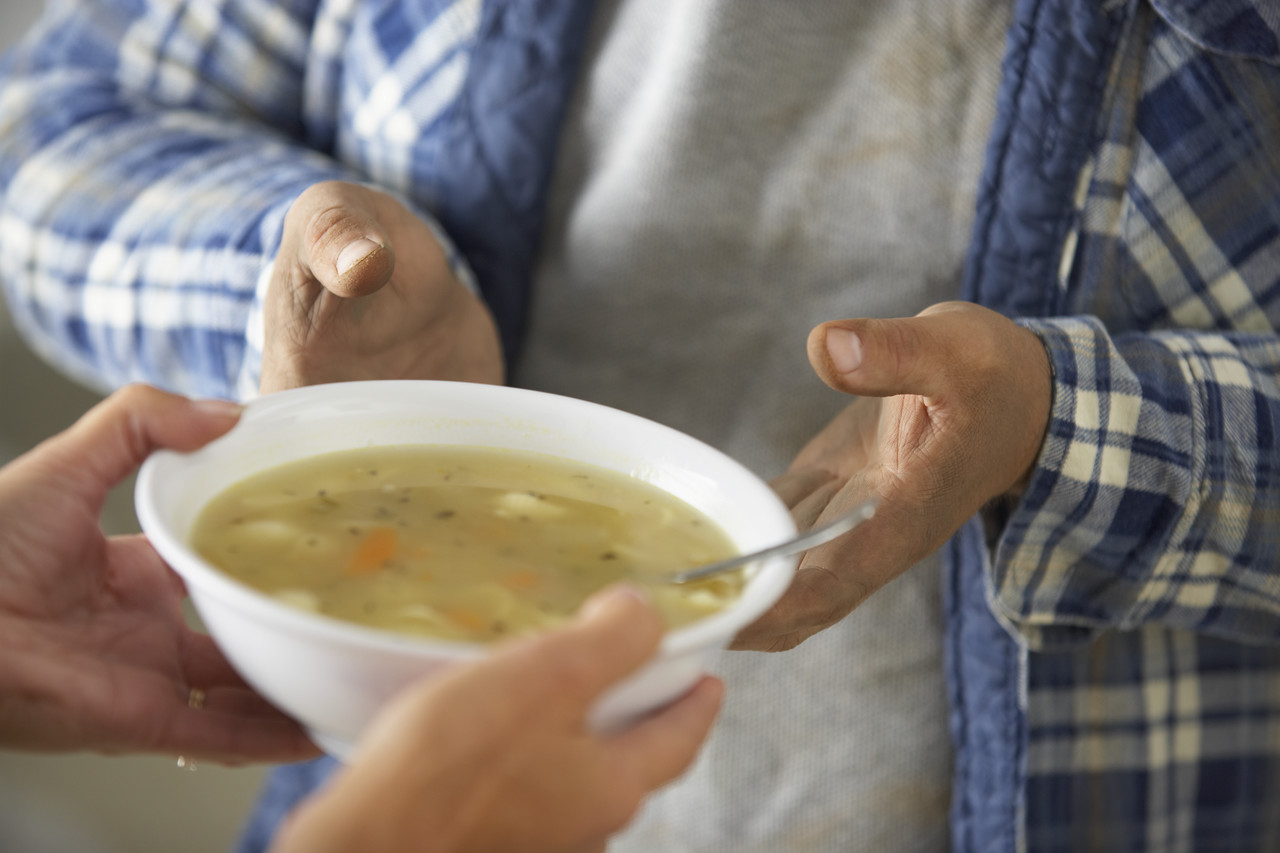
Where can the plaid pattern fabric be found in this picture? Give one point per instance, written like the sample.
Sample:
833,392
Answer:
149,153
1143,567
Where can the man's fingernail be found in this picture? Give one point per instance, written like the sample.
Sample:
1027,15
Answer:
354,253
844,349
615,596
219,408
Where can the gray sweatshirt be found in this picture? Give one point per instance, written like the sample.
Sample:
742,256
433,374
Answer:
733,172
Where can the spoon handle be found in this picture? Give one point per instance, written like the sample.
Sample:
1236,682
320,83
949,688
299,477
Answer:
811,537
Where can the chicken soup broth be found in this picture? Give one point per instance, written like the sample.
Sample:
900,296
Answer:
459,543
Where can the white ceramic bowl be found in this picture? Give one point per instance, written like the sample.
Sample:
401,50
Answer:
332,676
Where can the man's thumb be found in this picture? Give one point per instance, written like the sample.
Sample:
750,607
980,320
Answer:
879,358
341,242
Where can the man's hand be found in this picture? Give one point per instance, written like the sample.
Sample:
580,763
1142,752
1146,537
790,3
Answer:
498,755
952,407
96,651
361,289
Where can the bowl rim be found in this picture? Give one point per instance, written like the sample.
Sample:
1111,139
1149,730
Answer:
768,579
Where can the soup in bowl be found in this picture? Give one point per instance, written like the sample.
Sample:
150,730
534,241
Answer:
344,540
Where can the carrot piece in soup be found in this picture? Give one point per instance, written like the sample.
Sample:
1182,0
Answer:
376,548
468,619
521,580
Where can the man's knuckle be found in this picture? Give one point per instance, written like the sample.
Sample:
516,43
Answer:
901,341
326,226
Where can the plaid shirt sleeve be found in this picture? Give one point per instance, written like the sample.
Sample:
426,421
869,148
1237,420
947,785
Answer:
1154,498
148,154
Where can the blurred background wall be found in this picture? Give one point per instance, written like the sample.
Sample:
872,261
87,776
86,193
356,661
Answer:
89,803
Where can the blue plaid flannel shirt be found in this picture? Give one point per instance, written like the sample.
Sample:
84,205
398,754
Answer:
149,150
1141,570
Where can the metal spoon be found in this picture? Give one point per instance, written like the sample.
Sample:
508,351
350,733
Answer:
811,537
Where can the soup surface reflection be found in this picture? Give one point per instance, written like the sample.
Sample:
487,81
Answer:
459,543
